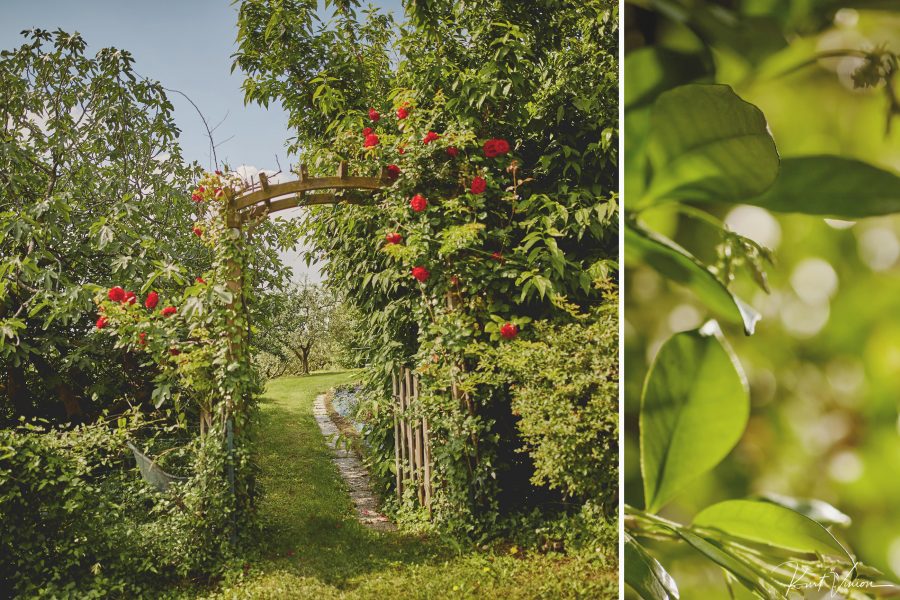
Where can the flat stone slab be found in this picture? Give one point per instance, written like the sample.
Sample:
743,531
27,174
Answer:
353,472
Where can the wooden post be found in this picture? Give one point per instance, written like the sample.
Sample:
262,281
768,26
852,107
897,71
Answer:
420,452
411,433
404,456
395,402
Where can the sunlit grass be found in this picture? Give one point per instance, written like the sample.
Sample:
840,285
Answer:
315,548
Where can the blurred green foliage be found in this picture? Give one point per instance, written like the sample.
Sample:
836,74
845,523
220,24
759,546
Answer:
822,364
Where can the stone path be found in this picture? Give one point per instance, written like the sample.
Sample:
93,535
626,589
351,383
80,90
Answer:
354,473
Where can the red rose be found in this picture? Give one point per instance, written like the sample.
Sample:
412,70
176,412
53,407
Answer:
174,351
393,238
152,300
142,338
401,150
102,322
373,115
371,141
508,331
197,231
196,197
200,280
421,274
169,311
200,189
478,185
452,150
418,203
430,137
497,256
367,131
219,193
130,297
218,172
402,112
116,294
495,147
393,171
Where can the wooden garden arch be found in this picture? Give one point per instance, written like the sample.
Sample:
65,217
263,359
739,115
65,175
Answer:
268,198
412,446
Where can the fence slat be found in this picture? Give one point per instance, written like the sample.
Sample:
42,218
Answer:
395,402
401,398
410,433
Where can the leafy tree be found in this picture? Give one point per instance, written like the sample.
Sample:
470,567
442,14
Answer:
501,120
92,190
304,323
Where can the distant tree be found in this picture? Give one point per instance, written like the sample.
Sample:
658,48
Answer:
306,324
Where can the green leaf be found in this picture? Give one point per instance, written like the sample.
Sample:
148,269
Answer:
741,570
694,409
674,262
707,144
832,186
645,575
772,524
817,510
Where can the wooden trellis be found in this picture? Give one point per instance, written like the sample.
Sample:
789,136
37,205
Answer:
412,440
253,202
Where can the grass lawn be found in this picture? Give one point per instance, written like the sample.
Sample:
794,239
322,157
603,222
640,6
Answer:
315,548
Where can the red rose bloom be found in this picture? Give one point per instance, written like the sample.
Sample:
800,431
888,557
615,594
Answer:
218,172
367,131
130,297
142,338
200,280
402,112
401,150
116,294
373,115
495,147
452,150
196,197
152,300
393,238
101,322
418,203
508,331
421,274
169,311
478,185
393,171
497,256
430,137
197,231
371,141
174,351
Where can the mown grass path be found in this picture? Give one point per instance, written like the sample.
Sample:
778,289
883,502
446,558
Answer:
315,548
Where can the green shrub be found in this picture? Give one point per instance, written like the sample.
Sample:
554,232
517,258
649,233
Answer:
564,386
78,520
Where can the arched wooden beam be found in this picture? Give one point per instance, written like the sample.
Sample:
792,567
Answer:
295,201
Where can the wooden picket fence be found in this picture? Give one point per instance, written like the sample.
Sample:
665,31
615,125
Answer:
412,447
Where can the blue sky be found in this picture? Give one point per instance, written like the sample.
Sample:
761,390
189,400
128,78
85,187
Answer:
186,45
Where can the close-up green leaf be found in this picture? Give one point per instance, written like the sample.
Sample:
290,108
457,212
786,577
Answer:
694,409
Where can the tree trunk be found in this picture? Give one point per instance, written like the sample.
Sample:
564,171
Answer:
305,359
16,391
